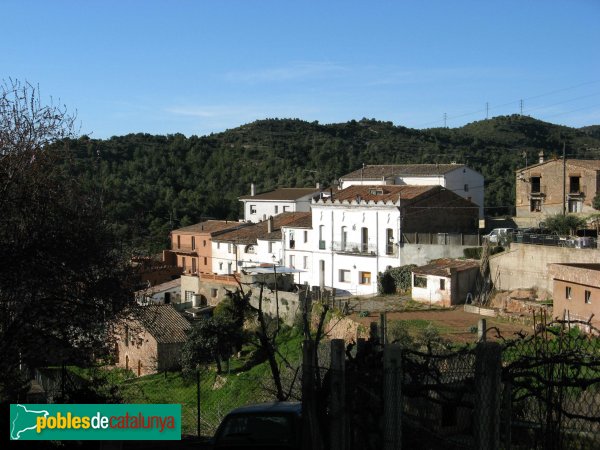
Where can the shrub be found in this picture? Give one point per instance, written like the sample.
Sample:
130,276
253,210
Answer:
395,279
473,252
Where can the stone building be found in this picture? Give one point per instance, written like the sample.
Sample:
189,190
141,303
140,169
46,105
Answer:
576,291
547,187
149,339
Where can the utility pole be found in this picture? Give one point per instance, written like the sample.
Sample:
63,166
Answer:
521,104
564,209
487,110
445,117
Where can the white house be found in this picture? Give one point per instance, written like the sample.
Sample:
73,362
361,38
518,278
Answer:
445,282
252,245
357,233
458,178
258,207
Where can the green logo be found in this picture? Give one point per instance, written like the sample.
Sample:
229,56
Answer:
95,422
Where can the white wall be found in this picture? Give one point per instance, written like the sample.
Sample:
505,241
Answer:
266,208
431,293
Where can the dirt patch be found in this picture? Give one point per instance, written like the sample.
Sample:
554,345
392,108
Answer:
453,324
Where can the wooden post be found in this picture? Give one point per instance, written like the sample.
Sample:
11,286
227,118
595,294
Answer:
481,327
486,415
383,327
311,439
392,397
338,395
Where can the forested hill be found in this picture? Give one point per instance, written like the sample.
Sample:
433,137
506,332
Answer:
151,184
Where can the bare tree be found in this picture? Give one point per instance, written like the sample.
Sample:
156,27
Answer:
61,280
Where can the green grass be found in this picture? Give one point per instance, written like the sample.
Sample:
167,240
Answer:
414,326
218,393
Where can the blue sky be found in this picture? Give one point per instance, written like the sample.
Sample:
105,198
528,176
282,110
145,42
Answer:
197,67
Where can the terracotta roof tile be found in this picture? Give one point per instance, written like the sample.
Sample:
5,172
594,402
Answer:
208,226
250,234
441,267
389,170
386,193
163,322
282,194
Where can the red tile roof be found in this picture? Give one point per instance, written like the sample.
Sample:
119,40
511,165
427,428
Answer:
250,234
163,322
208,226
441,267
386,193
374,172
282,194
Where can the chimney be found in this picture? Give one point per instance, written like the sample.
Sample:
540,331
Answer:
252,190
541,155
270,225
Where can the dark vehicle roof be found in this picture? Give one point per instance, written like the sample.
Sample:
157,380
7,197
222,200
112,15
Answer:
272,407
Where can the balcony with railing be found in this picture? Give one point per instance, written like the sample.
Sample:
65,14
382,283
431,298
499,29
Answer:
354,248
577,190
537,190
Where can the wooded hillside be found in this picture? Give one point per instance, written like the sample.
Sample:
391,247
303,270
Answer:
152,184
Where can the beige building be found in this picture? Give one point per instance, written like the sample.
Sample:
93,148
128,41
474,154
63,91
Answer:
576,291
149,339
545,188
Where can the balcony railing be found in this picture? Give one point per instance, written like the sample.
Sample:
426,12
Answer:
577,191
357,248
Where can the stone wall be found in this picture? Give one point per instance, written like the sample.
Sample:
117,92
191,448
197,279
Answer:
526,265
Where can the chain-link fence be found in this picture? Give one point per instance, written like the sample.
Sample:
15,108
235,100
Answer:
538,391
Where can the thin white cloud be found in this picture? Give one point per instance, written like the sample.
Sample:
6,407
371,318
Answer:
292,71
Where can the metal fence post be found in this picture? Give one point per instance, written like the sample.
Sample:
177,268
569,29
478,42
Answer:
392,397
338,395
487,396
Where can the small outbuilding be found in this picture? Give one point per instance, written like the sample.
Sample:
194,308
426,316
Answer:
445,282
149,339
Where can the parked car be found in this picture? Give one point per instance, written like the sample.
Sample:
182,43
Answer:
276,425
499,235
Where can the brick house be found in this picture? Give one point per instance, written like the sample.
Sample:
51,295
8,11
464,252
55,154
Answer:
149,339
445,282
576,291
191,247
544,188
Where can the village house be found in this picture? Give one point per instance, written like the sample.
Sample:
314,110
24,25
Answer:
445,282
239,248
160,294
259,207
457,178
576,292
149,339
191,246
359,232
549,187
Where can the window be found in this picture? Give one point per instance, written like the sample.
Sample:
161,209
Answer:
364,239
442,284
286,208
364,277
189,296
193,242
344,276
270,247
214,292
218,245
183,263
292,261
536,205
535,185
466,188
205,260
588,296
292,240
389,241
252,209
204,243
276,209
305,236
193,265
220,266
305,262
321,237
574,185
178,241
344,239
575,205
420,282
568,293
